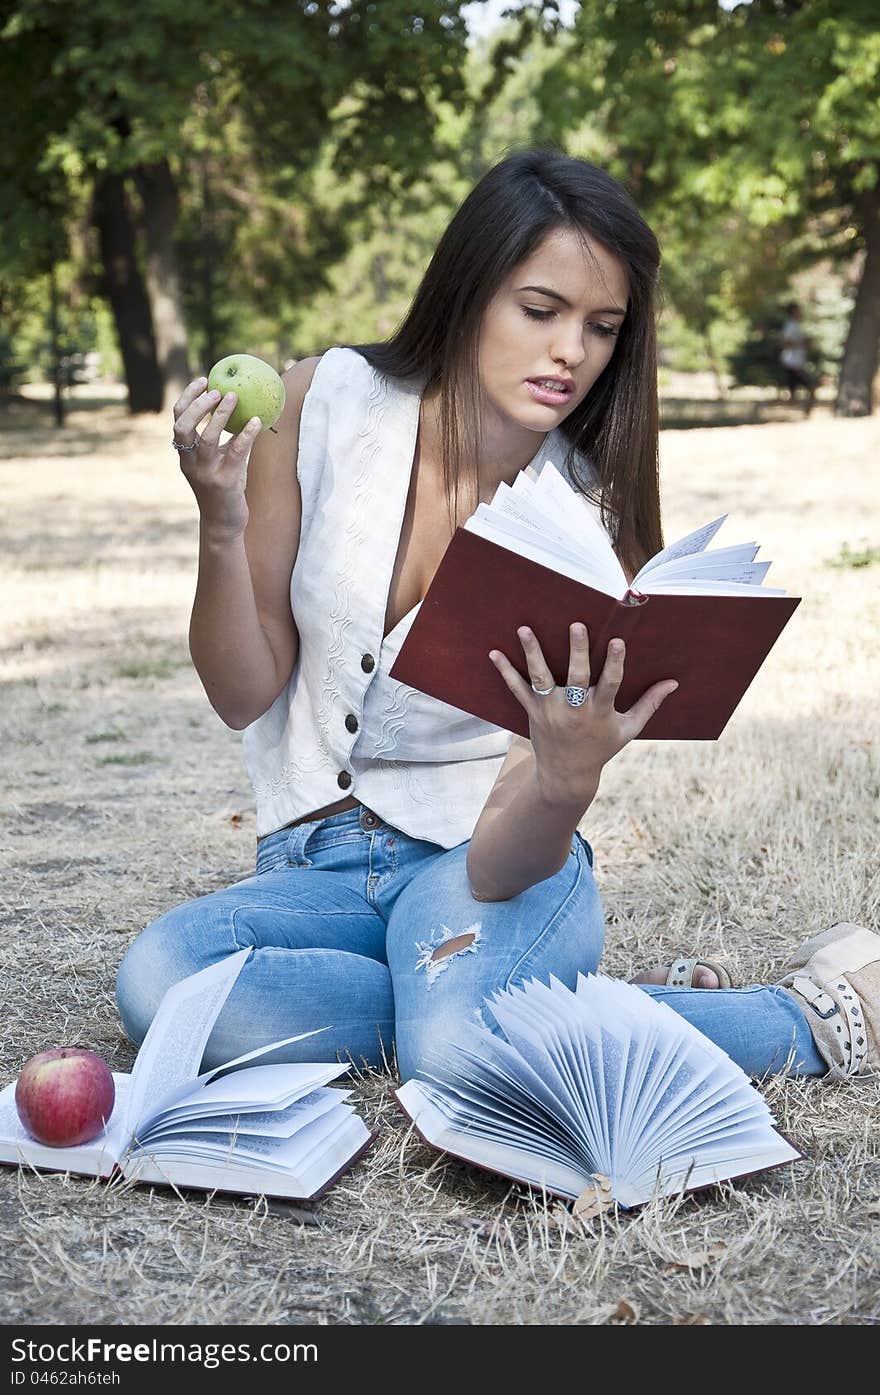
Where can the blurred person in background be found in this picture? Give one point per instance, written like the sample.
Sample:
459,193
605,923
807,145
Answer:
794,357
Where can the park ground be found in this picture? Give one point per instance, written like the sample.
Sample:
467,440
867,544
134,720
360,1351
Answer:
124,794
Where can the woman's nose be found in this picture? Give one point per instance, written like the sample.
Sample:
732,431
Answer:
568,347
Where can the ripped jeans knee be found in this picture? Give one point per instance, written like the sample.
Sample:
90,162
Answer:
435,956
448,956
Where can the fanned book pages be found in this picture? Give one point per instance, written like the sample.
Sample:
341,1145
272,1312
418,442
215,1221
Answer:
603,1085
538,556
272,1129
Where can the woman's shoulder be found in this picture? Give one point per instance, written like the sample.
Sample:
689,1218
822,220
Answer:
340,369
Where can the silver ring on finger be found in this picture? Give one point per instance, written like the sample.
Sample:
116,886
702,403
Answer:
575,696
177,446
543,691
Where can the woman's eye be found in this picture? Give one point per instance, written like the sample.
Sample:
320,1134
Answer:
603,331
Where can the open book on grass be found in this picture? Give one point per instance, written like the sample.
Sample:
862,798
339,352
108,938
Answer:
537,555
273,1129
602,1087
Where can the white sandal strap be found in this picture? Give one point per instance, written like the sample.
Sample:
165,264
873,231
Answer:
821,1002
681,973
854,1039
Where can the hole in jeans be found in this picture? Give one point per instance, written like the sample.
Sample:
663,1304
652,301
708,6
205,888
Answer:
436,956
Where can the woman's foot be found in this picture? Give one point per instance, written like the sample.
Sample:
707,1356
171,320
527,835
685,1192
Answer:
703,978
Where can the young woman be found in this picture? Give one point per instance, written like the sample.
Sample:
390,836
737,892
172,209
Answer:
410,859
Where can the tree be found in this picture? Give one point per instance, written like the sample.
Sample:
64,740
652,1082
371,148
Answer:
765,115
117,93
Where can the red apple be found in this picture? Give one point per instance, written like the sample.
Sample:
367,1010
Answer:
65,1096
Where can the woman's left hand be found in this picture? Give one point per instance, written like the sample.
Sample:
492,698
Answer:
572,744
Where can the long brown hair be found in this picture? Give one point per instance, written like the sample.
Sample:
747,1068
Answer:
501,222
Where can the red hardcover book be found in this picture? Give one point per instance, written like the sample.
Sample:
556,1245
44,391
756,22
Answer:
712,644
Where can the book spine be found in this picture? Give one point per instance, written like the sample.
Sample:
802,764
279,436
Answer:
634,598
621,624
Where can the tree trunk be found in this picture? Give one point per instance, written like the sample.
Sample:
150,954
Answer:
208,262
124,289
854,390
55,338
158,193
713,362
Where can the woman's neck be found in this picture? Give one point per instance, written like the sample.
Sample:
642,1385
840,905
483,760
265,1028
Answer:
505,450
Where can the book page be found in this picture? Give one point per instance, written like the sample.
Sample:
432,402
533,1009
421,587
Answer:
240,1147
172,1050
279,1123
651,1065
257,1179
531,546
697,541
477,1063
698,1170
552,491
251,1090
692,1098
520,508
549,517
581,1105
93,1159
572,1061
699,563
715,1127
497,1157
503,520
711,588
481,1096
574,1041
504,1129
746,573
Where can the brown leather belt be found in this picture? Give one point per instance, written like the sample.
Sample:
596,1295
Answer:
349,803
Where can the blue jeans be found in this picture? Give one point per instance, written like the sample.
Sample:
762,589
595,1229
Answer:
376,935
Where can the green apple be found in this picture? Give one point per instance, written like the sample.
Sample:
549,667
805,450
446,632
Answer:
259,389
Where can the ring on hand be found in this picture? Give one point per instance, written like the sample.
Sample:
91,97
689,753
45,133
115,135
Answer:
575,696
543,691
178,446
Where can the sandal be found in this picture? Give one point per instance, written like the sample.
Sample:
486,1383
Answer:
835,978
681,973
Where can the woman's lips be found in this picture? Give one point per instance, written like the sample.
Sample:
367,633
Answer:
545,395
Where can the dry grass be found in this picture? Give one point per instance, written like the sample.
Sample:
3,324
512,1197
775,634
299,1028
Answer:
125,794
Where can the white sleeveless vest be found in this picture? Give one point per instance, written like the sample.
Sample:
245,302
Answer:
341,726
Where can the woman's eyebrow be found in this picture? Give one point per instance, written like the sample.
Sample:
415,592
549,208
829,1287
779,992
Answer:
555,295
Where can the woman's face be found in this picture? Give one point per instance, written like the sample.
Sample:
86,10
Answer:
528,333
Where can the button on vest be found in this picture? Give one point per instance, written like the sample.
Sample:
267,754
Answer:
343,779
368,663
351,722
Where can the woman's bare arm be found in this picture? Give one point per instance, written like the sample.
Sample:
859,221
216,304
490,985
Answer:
519,838
243,638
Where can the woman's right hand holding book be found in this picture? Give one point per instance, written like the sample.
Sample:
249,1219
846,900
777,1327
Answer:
571,744
216,474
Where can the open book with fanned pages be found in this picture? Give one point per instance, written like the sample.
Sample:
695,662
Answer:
601,1086
537,555
273,1129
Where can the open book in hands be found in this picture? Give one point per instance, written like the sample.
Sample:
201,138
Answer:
538,556
603,1088
261,1129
